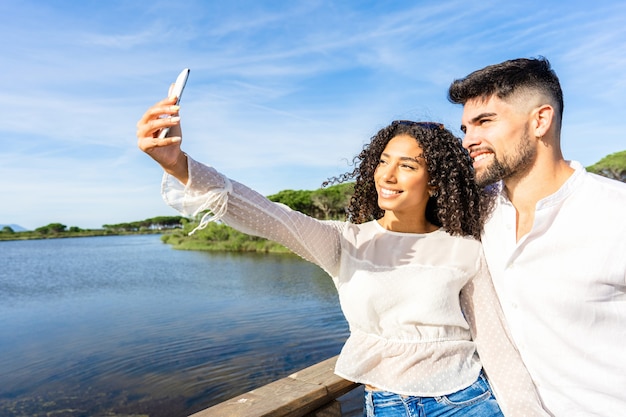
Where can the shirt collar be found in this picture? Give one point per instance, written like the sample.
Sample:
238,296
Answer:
556,198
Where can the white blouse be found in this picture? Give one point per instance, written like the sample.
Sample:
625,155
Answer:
408,298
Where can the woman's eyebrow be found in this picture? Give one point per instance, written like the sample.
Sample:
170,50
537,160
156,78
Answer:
406,158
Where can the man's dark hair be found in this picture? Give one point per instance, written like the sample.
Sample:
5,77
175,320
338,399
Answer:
507,78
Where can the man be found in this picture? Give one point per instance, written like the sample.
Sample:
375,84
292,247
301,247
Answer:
556,241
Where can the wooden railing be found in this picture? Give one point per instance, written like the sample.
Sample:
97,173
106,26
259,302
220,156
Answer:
311,392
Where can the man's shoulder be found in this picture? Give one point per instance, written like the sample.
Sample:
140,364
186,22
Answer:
606,180
598,183
603,200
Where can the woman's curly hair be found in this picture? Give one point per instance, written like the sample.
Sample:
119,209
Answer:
459,206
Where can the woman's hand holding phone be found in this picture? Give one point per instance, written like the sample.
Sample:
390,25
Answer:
153,128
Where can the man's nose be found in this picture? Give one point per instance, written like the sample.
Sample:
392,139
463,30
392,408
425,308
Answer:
470,139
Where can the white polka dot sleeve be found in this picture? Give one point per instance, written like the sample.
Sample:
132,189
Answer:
249,212
509,379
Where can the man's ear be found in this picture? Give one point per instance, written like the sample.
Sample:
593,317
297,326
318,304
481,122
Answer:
543,118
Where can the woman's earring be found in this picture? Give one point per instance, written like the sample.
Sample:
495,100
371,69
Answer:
434,193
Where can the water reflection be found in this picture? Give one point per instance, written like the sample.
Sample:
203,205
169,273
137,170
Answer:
125,325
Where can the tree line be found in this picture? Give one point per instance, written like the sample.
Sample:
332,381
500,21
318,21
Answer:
57,230
324,203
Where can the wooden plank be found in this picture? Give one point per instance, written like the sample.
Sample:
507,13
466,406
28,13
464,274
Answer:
323,373
332,409
280,399
297,395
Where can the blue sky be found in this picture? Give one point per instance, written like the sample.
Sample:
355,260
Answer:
282,94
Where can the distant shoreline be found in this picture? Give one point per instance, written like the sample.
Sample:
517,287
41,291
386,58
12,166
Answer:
29,235
177,241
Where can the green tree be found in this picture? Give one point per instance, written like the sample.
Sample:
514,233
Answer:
7,229
298,200
52,228
611,166
325,203
332,201
160,222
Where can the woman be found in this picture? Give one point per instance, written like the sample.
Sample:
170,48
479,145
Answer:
407,266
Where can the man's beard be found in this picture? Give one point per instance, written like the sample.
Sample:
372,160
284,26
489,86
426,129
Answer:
516,164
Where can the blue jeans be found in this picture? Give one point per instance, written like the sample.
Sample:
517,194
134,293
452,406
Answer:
475,400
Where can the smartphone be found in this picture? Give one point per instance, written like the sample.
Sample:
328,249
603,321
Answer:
177,91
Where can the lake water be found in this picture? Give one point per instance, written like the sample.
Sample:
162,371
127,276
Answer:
127,326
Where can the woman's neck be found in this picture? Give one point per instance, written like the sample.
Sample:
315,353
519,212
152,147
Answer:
409,224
